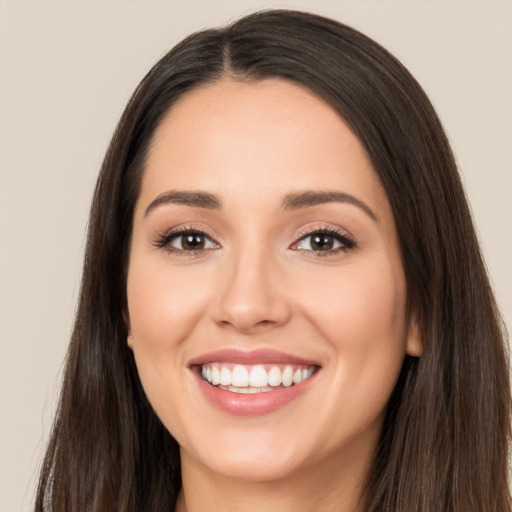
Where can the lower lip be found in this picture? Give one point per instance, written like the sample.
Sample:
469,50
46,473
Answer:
252,404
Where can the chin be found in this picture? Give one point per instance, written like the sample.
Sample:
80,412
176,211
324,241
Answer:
256,458
255,470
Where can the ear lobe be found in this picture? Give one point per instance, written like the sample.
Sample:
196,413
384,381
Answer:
129,337
414,339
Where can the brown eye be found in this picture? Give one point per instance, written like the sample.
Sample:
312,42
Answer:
325,241
188,241
322,242
192,241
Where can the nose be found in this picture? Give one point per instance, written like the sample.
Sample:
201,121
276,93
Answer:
252,297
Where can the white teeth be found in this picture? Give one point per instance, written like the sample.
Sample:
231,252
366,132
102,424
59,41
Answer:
215,375
225,376
254,379
240,376
258,377
274,376
246,390
288,376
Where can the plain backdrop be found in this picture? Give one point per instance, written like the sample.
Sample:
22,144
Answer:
67,69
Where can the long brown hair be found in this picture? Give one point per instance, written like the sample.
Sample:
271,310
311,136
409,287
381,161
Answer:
445,441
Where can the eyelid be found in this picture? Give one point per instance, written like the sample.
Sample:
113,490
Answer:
345,239
208,242
164,239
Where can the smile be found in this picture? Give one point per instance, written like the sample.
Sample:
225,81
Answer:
251,383
257,378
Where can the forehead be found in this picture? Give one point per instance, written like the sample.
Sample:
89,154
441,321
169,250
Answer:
257,139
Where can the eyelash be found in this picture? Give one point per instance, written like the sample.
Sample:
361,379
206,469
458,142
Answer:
165,239
346,242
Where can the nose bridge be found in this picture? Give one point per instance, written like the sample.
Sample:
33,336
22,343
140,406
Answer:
251,296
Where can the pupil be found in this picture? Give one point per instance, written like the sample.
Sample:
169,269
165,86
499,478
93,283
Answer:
322,242
193,241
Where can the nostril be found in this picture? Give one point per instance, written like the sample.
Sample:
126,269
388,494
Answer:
246,326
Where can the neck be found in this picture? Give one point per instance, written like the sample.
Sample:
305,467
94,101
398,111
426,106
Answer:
333,487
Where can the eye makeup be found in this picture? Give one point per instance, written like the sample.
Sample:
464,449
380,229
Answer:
323,241
319,241
186,241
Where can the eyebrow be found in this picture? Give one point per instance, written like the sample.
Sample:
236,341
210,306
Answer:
313,198
293,201
192,198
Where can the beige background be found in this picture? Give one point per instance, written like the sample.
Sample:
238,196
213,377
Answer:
66,71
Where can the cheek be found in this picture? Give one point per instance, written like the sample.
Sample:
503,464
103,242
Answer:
354,302
362,316
164,308
164,305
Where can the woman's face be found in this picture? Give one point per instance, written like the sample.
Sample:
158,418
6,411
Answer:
266,294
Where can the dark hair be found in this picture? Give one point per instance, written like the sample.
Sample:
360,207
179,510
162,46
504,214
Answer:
445,441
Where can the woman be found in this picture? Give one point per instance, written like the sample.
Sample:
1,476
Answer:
283,301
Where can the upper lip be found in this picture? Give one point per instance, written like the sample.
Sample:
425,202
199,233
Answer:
250,357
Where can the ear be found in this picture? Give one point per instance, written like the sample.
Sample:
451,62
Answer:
414,338
129,337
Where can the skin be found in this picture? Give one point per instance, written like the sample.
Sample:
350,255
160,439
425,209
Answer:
259,284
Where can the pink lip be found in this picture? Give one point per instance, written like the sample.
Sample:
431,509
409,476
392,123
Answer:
250,404
260,356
